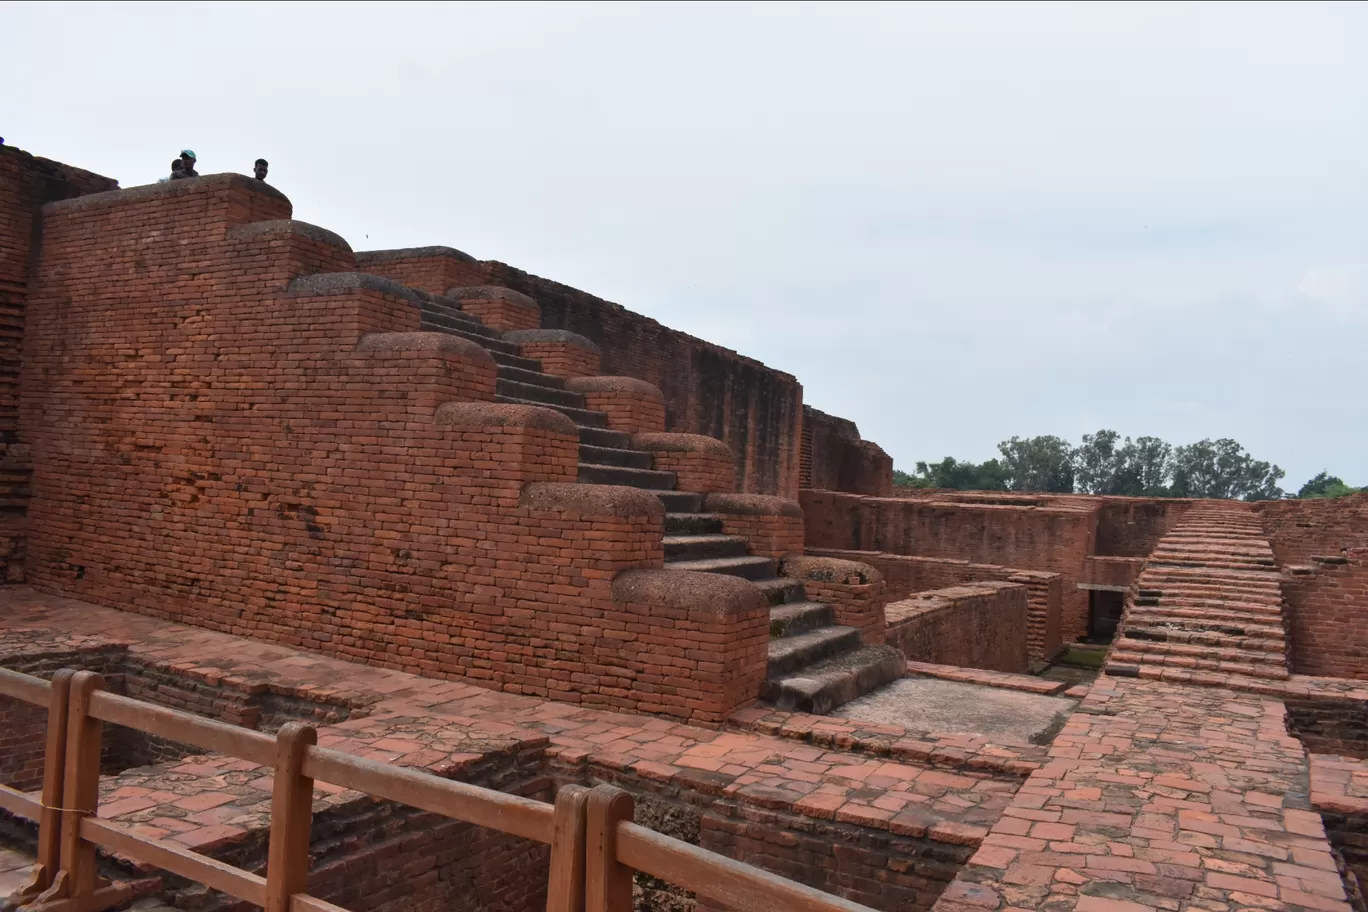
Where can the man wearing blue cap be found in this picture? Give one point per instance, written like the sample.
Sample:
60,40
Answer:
188,164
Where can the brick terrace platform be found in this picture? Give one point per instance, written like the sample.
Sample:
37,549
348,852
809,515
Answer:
1160,796
944,787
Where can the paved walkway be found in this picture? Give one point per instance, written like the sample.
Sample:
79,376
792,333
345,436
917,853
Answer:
866,775
1159,796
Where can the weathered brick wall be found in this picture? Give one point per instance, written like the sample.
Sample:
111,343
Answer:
1328,726
26,183
561,353
220,444
900,870
908,575
1118,572
1131,527
708,390
978,625
834,457
1054,539
1299,530
1327,614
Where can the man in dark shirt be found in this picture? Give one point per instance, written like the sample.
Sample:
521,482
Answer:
188,164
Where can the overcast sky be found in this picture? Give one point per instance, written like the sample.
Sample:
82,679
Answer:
953,223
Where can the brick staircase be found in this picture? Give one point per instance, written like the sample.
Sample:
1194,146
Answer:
814,664
1208,601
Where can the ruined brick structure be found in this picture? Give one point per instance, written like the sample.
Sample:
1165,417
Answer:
466,519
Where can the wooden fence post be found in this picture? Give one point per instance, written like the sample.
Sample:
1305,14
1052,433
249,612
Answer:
54,772
565,885
287,864
76,879
608,883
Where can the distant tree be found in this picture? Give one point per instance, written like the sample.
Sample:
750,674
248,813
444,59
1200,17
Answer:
1222,469
956,475
1139,468
1326,485
1043,463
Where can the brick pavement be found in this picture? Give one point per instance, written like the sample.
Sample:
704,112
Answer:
410,720
1159,796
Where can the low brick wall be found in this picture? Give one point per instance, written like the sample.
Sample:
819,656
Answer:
1327,612
1112,573
980,625
1330,726
561,353
498,308
772,525
701,464
907,575
856,591
632,405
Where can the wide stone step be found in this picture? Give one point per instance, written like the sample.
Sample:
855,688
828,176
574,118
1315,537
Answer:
680,501
1177,613
794,618
704,547
611,456
1223,653
649,479
602,437
789,654
693,524
582,417
439,317
782,591
835,681
546,395
749,567
505,360
492,343
1254,609
1204,639
532,378
1270,669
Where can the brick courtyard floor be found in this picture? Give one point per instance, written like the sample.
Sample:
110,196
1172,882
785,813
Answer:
946,786
1158,796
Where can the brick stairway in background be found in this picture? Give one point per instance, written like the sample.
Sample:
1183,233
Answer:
1207,605
815,665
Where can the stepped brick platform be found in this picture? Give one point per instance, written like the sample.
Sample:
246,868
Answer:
1158,796
1209,600
397,717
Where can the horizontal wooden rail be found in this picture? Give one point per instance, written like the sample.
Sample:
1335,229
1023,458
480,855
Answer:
177,859
19,804
497,810
302,902
730,883
175,725
24,687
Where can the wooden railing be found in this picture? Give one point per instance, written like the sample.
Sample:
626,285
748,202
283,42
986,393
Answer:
594,845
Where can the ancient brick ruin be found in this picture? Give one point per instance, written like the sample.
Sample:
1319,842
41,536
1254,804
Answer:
466,519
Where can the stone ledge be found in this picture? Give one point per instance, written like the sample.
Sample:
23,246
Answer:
591,500
662,442
412,253
752,505
828,570
205,183
603,384
497,414
1000,679
714,595
286,227
422,342
544,336
491,293
335,283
